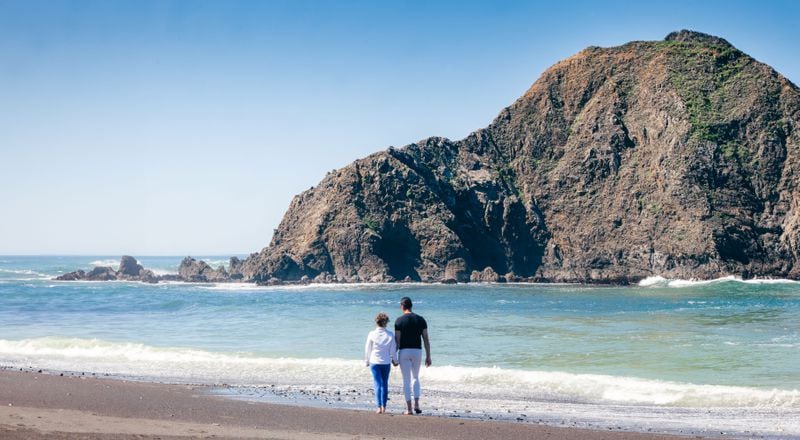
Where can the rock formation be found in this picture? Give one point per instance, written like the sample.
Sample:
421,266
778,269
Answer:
235,268
128,266
199,271
190,270
487,275
678,158
101,274
456,271
129,269
96,274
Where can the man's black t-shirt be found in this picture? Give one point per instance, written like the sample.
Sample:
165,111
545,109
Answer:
410,326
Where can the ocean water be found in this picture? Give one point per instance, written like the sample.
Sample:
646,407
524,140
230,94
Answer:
719,357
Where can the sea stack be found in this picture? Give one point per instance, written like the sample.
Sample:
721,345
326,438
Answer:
678,158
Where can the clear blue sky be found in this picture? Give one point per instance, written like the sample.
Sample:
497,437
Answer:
185,127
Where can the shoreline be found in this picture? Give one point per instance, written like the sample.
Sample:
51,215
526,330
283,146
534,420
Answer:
725,422
656,281
41,405
192,270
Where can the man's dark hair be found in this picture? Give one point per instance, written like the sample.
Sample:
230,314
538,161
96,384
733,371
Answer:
405,303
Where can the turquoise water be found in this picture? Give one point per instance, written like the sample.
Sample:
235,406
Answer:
723,344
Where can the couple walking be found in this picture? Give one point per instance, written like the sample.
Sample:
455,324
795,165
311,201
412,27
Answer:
404,348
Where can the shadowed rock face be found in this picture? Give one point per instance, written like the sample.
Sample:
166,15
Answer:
199,271
128,266
677,158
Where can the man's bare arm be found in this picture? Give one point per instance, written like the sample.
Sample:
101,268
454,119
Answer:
427,343
397,345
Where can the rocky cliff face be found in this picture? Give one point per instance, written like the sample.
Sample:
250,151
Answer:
677,158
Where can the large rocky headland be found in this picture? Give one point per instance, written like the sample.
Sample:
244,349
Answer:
678,158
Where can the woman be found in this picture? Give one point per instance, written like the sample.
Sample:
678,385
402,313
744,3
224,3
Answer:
379,353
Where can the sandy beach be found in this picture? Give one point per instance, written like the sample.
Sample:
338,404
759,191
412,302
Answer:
37,405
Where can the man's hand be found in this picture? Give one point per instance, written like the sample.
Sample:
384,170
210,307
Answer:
426,340
395,363
367,363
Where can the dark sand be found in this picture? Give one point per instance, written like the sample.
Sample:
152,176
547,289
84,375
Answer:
35,405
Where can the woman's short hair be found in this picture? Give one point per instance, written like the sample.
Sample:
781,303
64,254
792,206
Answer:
382,319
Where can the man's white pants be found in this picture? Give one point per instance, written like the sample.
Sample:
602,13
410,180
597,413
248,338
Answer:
410,359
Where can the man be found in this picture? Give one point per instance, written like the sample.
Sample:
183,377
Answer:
409,328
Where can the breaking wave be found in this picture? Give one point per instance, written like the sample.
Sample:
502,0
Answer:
659,281
23,274
187,365
105,263
159,272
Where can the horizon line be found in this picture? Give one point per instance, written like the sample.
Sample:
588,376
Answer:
129,254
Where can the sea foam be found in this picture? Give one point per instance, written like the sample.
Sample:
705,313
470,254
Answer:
160,272
343,287
659,281
26,274
114,264
250,369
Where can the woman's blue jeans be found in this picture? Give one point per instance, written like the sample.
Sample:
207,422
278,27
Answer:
380,373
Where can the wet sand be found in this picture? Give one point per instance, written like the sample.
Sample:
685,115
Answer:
35,405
